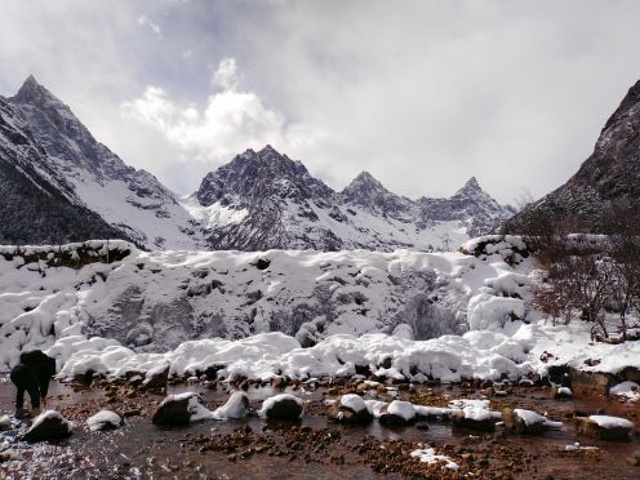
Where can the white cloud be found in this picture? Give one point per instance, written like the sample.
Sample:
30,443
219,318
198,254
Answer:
144,21
226,75
231,121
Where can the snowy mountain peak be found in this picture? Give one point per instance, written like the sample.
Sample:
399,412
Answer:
471,187
33,93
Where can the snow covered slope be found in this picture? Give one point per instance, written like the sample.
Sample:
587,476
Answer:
38,204
155,301
263,200
228,311
92,177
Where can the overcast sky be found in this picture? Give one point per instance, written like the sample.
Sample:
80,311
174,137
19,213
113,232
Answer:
422,94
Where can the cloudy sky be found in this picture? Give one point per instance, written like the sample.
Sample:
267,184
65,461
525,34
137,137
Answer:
423,94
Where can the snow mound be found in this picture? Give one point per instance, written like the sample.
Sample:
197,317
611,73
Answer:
531,418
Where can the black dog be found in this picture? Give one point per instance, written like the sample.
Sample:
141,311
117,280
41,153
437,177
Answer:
32,374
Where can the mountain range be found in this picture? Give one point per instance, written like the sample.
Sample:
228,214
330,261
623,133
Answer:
59,184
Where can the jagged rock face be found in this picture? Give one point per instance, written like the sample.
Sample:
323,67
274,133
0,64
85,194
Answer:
132,203
39,206
271,201
610,175
474,207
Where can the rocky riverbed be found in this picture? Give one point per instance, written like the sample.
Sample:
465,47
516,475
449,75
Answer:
316,446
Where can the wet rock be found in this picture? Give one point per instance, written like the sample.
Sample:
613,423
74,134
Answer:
351,410
630,374
279,382
591,383
180,410
386,363
282,407
50,425
156,379
104,420
604,427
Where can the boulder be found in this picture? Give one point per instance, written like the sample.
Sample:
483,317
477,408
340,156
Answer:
49,425
604,427
104,420
156,379
398,413
180,409
351,410
282,407
591,383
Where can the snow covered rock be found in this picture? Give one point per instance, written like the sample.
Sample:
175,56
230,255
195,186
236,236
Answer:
604,427
180,409
156,378
104,420
237,406
527,422
398,412
282,407
474,414
352,409
561,393
629,390
49,425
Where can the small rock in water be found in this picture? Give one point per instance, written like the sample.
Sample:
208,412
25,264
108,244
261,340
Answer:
104,420
563,392
604,427
236,407
282,407
398,413
49,425
351,410
180,409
